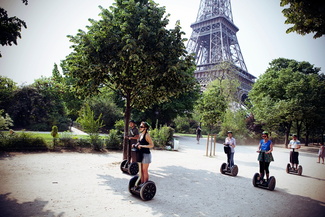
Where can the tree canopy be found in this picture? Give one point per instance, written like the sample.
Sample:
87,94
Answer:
288,92
307,16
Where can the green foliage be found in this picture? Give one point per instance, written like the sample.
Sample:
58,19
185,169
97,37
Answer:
104,104
166,112
88,120
22,142
307,16
162,137
5,121
288,92
54,132
212,105
38,107
10,28
91,125
114,140
235,121
185,125
66,140
7,87
119,126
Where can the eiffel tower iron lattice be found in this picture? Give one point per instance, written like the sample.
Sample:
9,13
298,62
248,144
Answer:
215,45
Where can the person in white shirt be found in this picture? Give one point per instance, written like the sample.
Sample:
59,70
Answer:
231,141
294,144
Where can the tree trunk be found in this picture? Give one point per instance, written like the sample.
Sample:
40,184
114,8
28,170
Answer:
127,115
287,132
307,138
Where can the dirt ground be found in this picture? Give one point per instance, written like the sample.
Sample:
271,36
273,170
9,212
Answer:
189,183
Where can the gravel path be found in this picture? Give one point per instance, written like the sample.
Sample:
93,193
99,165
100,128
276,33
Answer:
188,184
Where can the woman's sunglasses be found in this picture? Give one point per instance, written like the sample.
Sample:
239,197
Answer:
142,127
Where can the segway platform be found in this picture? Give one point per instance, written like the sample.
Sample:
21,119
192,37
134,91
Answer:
225,169
266,184
292,170
130,166
145,191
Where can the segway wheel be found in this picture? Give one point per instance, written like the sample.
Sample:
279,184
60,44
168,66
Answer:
288,168
148,190
234,170
132,182
256,175
133,168
222,168
299,170
271,183
123,165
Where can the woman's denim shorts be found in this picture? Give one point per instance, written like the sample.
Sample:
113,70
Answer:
146,158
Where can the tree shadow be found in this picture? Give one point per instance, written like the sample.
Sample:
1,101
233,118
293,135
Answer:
11,207
189,192
6,155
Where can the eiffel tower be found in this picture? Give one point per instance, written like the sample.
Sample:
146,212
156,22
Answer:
214,43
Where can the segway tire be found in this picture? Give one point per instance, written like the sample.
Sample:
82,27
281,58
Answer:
148,190
234,170
133,168
223,168
288,168
299,170
132,182
256,175
123,164
271,183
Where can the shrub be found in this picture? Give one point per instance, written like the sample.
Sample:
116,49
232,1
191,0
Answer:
162,137
67,141
22,142
114,140
84,143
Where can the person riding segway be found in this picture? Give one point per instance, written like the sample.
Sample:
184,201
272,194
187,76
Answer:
294,168
265,148
130,164
229,168
141,185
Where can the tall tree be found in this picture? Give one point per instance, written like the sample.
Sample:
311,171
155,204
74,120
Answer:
307,16
131,51
212,105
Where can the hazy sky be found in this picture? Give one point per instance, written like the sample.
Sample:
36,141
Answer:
261,34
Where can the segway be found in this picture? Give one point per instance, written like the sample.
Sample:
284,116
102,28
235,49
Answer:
267,184
130,165
225,168
264,183
146,191
293,170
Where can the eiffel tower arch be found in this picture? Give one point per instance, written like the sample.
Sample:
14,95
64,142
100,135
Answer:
214,42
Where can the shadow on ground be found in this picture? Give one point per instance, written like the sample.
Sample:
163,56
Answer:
187,192
10,207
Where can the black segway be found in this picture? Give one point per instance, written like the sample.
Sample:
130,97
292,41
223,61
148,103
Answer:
264,183
267,184
291,169
130,165
225,168
146,191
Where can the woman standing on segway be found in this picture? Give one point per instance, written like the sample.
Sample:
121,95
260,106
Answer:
144,145
265,148
231,142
